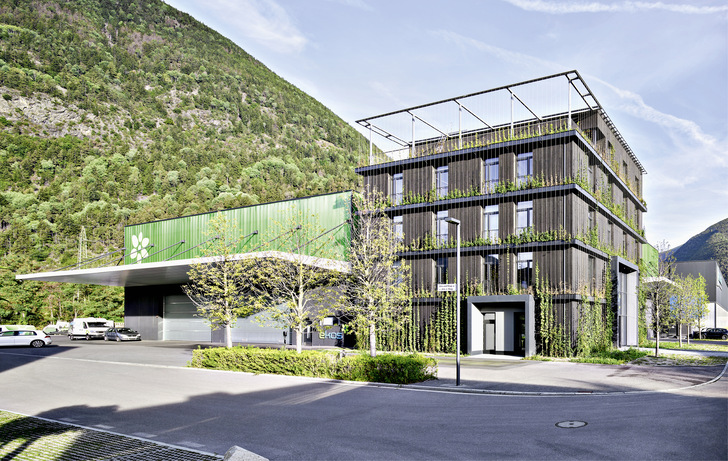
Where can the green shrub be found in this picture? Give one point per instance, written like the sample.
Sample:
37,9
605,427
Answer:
386,368
612,357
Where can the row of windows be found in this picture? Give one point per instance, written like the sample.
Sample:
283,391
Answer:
491,264
524,164
490,222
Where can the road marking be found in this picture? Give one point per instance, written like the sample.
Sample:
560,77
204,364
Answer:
190,444
145,435
103,426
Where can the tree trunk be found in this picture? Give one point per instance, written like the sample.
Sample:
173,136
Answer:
372,340
690,329
657,337
228,336
299,338
678,327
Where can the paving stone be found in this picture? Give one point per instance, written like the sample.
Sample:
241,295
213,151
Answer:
33,439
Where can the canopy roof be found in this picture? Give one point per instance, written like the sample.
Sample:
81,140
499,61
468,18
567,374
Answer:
166,272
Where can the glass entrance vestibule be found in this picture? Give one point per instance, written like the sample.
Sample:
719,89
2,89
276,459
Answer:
501,325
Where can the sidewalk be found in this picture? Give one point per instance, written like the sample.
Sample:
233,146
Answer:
511,375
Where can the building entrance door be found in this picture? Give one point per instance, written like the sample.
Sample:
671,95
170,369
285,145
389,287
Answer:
489,333
519,333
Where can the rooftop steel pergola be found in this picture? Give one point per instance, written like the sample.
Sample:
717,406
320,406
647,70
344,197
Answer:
517,93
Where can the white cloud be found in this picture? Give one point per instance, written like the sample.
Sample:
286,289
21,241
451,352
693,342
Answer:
361,4
264,21
683,132
543,6
513,57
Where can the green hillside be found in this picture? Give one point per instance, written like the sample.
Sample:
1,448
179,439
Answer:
115,113
712,243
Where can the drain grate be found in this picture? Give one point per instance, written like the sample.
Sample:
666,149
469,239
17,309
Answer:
571,424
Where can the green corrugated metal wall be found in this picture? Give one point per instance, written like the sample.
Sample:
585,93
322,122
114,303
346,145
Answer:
320,212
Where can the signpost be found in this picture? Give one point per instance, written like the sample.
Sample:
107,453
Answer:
447,287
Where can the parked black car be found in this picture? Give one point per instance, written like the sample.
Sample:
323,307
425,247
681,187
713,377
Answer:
716,333
122,334
700,334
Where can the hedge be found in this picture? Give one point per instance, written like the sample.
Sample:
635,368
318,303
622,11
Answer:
385,368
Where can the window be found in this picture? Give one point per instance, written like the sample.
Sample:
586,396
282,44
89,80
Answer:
397,188
398,228
491,175
624,171
591,274
441,181
525,269
592,219
441,271
524,165
525,216
397,269
591,179
442,227
490,273
609,235
490,223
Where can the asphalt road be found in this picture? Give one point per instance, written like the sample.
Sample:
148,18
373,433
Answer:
142,390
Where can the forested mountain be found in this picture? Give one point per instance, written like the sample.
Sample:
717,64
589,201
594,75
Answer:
712,243
119,112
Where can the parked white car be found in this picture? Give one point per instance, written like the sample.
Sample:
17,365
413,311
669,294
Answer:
33,338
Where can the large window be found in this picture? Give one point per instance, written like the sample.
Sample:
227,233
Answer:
490,223
592,179
441,271
525,269
491,175
490,273
592,219
398,228
441,181
525,216
442,227
524,165
397,188
591,273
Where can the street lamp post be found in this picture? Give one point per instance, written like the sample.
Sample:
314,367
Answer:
457,305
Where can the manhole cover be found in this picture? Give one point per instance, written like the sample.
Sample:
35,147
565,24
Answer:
571,424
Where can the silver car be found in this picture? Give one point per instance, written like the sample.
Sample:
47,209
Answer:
33,338
122,334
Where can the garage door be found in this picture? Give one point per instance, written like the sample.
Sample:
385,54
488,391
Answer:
180,323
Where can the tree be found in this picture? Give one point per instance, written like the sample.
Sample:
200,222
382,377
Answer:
379,282
691,302
658,289
299,270
221,286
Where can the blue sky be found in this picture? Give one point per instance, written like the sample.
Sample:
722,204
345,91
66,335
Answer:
659,68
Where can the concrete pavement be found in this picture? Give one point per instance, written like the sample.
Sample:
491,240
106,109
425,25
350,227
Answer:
510,375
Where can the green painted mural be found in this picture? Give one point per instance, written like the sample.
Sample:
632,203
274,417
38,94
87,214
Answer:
260,226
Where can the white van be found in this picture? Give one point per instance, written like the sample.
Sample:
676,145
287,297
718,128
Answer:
89,327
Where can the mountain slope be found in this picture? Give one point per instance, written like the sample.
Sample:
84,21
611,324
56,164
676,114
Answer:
114,113
712,243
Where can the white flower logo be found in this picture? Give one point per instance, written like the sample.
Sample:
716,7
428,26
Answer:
139,244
